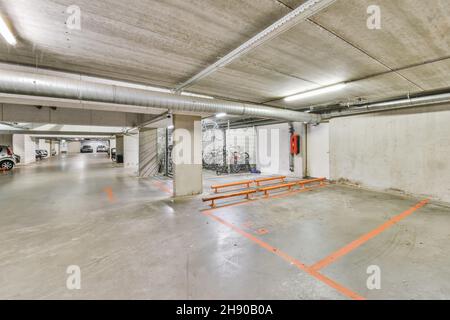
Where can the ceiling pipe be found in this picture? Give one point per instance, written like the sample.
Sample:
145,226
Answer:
164,116
303,12
392,105
59,133
66,86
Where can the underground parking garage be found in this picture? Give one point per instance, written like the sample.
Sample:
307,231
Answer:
225,150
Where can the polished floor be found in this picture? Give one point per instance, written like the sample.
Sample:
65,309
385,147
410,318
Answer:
131,240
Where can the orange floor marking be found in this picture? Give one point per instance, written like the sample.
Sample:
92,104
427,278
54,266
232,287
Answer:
163,187
285,194
346,292
358,242
110,194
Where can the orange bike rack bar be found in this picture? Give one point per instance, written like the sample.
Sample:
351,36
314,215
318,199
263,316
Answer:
245,193
232,184
258,181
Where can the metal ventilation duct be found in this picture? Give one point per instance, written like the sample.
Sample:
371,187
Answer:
393,104
75,87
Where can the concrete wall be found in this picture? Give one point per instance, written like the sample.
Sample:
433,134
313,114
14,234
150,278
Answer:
6,139
25,147
318,144
274,140
406,150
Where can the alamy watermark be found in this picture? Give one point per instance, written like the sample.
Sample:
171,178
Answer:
73,281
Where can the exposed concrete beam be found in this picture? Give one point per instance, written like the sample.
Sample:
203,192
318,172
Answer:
296,16
33,114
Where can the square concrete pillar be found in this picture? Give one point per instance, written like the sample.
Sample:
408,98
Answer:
119,148
131,152
148,152
24,146
187,155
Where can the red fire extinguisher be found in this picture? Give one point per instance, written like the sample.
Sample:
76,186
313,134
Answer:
295,144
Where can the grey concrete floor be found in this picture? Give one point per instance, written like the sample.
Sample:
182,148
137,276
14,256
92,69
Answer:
133,241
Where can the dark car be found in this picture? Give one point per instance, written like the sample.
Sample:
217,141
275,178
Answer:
102,149
86,149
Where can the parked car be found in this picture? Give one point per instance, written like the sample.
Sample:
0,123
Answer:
102,149
86,149
7,158
41,154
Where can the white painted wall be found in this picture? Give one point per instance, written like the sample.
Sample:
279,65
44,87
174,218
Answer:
405,150
318,144
273,141
25,147
131,152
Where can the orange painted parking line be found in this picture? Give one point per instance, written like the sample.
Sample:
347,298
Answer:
110,194
163,187
285,194
358,242
346,292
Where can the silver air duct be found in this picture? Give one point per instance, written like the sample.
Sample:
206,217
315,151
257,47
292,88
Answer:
76,88
392,105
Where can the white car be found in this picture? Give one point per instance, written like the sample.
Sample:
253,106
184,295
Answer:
7,158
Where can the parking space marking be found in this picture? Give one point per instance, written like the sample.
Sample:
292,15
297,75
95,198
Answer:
109,192
333,284
163,187
363,239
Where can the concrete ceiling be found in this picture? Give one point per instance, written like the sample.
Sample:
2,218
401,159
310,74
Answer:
163,43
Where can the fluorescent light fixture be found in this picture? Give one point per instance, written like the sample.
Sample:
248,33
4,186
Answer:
316,92
6,33
170,127
221,115
196,95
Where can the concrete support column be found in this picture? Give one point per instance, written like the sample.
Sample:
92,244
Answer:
45,145
57,147
112,144
187,156
73,147
24,146
119,148
131,152
148,152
